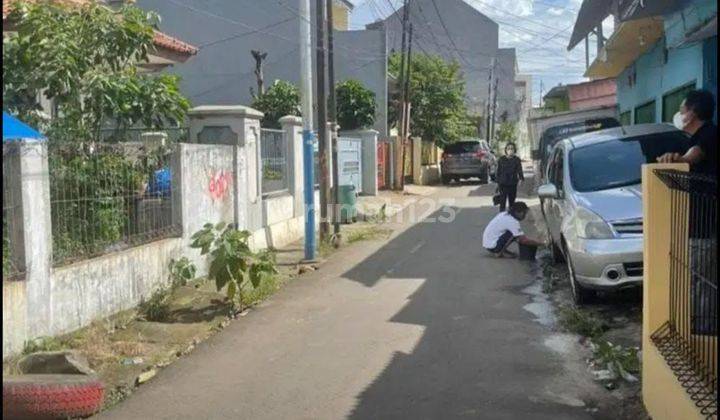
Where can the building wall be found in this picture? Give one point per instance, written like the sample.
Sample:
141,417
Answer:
592,94
475,35
654,77
341,17
222,73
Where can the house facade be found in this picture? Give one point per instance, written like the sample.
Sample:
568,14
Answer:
223,72
471,40
657,55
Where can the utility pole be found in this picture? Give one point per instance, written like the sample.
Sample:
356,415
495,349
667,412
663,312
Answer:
320,23
489,100
541,93
306,87
399,145
333,119
259,57
494,109
406,102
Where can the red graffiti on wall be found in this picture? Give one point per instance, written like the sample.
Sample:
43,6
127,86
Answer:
219,186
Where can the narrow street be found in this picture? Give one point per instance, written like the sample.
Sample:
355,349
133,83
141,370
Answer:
422,326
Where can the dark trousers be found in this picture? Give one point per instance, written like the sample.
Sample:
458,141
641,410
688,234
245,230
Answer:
508,193
504,241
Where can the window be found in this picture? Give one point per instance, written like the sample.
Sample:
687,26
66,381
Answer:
617,163
462,147
645,114
556,169
626,118
672,101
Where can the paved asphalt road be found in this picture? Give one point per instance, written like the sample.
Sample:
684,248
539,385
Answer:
424,325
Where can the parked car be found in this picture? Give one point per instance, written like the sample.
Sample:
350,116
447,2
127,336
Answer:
490,158
592,203
464,160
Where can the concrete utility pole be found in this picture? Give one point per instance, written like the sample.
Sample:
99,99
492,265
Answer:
399,144
494,109
306,87
489,100
320,23
406,102
333,119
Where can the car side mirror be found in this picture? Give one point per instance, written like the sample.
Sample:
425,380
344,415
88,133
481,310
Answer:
548,191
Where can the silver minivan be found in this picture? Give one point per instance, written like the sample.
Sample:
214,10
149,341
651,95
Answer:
592,203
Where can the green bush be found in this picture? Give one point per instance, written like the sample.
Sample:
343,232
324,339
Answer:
91,199
280,100
182,271
355,105
233,265
157,308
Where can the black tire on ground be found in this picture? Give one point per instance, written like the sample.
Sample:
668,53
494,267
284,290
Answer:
581,294
484,178
557,255
51,396
446,179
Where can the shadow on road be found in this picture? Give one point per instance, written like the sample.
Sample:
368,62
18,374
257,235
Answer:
481,355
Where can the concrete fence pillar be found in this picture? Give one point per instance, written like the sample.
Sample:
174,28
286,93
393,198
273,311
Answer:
369,170
31,231
238,126
292,129
416,160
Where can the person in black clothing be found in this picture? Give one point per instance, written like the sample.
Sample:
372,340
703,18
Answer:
695,118
509,173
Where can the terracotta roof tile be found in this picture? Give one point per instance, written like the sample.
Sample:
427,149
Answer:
160,39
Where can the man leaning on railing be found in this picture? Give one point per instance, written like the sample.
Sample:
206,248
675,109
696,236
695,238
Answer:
696,118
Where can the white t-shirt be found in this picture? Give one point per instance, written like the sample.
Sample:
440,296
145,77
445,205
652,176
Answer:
500,224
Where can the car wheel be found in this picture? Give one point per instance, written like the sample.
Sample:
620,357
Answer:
581,294
446,179
557,254
484,178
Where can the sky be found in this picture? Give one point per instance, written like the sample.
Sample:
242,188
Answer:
538,29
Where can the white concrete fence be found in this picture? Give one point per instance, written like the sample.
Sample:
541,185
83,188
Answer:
224,144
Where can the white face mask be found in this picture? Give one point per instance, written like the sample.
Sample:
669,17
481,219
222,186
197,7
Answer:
679,121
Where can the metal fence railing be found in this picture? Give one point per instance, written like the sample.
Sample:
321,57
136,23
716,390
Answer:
108,197
688,341
13,261
130,135
274,152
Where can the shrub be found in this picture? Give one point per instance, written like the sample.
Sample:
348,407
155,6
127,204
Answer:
280,100
182,271
157,308
233,265
355,105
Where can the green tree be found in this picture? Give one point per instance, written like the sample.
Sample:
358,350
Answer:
280,100
85,60
437,95
355,105
506,133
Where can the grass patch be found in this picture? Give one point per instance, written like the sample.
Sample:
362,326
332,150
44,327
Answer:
621,361
580,322
266,288
42,344
367,233
157,308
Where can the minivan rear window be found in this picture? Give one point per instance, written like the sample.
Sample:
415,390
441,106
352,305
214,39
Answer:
552,135
462,147
618,163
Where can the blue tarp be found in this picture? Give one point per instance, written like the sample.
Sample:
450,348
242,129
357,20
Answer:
161,183
16,130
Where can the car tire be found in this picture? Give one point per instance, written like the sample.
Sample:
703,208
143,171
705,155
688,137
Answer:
581,295
557,254
446,180
51,396
484,178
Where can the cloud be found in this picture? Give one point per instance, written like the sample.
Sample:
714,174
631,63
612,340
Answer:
555,11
